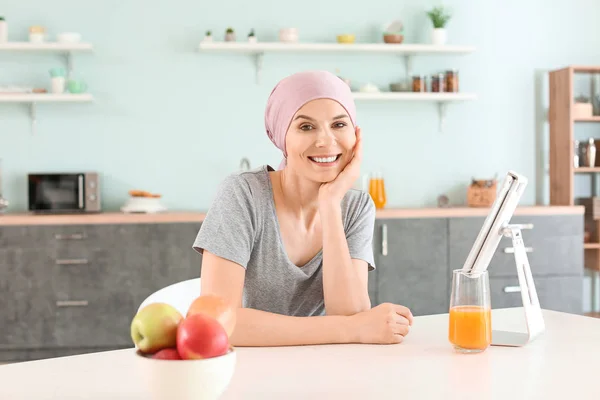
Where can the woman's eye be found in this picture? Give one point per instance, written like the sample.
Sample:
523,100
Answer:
339,125
306,127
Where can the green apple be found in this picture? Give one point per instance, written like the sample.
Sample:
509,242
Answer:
154,327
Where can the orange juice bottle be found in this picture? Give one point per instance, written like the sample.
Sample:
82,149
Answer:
470,327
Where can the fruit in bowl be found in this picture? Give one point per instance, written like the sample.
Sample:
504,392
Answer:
185,357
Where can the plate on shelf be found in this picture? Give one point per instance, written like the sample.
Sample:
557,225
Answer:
145,205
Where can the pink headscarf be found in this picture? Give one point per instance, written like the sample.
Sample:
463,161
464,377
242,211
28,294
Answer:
292,92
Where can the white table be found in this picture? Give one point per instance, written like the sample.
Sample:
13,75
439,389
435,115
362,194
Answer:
564,363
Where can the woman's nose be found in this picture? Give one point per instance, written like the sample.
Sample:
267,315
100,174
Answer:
325,137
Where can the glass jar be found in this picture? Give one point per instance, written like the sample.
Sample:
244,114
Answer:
452,81
418,83
437,83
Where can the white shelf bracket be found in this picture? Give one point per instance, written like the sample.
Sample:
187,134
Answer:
442,109
259,65
408,64
69,62
33,116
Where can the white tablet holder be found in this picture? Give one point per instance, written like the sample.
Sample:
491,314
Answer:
531,305
495,226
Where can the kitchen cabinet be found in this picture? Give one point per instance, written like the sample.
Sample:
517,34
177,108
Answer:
411,260
74,289
415,258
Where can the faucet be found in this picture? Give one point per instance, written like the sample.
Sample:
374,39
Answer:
245,164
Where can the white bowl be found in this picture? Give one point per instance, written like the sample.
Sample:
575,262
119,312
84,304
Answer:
68,37
205,379
288,35
143,205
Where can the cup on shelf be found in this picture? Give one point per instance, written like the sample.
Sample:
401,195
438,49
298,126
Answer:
37,34
76,86
58,80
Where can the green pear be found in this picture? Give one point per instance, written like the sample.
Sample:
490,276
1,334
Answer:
154,327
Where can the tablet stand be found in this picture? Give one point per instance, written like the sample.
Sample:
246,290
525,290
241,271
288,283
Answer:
531,305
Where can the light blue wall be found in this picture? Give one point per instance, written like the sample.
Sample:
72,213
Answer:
170,120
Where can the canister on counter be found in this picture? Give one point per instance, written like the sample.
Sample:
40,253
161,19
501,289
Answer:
451,80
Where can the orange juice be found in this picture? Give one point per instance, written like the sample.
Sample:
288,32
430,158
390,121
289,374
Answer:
377,191
470,327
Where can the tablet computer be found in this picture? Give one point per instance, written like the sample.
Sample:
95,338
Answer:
499,216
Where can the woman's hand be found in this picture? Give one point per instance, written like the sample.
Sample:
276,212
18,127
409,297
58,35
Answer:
385,324
332,193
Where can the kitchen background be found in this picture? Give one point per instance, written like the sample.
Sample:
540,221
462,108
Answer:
169,119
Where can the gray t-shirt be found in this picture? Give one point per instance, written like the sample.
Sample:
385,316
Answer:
242,226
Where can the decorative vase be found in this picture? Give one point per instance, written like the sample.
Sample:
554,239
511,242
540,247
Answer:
230,37
439,36
252,39
208,38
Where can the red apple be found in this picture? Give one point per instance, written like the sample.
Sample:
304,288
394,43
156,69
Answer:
167,354
201,336
216,307
154,327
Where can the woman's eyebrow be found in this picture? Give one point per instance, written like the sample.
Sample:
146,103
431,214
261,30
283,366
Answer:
341,116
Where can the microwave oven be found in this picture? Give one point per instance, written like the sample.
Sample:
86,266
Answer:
58,193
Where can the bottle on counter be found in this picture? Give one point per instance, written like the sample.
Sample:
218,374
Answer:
3,30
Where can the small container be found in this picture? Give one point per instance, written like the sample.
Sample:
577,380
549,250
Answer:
418,83
438,83
590,152
3,30
576,154
451,78
37,34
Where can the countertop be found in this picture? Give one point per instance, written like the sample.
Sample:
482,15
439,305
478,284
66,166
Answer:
560,364
191,216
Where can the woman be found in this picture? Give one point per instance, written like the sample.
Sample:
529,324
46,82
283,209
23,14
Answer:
291,248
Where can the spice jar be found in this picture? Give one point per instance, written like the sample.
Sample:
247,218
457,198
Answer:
418,83
452,81
437,83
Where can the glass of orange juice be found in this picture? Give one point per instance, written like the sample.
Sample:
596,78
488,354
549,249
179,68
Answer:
377,190
470,326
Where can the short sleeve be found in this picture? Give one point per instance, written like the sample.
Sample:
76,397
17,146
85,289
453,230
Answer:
229,226
360,226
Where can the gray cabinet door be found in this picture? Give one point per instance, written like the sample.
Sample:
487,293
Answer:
558,293
554,245
414,272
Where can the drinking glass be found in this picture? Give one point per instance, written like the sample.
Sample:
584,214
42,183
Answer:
470,326
377,190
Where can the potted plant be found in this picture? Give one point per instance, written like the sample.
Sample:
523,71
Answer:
394,33
208,36
229,35
439,18
252,36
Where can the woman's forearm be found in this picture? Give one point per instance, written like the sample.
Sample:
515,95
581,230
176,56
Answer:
344,291
261,328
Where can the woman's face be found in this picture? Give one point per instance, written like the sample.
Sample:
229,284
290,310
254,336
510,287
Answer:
320,140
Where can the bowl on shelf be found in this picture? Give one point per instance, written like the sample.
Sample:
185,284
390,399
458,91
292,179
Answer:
396,38
288,35
400,87
205,379
346,38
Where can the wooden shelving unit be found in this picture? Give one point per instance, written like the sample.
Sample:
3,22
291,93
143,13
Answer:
562,136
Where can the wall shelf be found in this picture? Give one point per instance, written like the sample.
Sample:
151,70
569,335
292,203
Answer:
32,99
442,99
258,50
65,49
